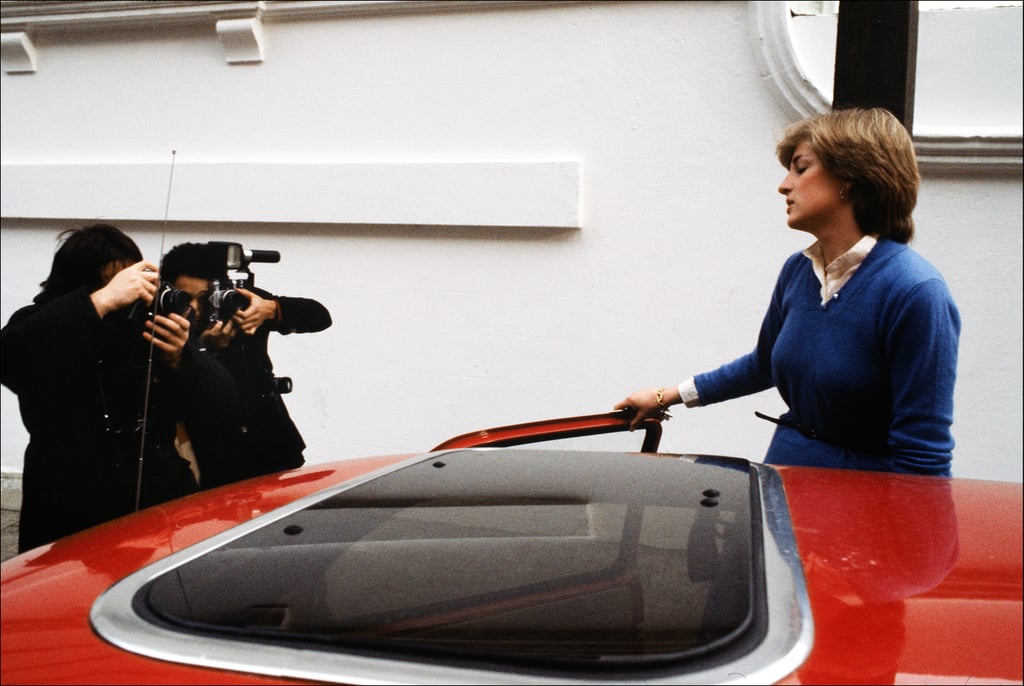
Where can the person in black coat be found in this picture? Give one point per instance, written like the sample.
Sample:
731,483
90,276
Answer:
269,440
104,375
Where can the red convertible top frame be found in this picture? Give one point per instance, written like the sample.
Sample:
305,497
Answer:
555,429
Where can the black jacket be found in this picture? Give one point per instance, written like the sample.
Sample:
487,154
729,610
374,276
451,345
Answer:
81,385
270,440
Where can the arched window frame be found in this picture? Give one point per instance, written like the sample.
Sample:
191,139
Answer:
800,98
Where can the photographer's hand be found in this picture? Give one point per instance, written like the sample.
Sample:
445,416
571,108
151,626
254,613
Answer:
219,335
168,334
259,311
123,288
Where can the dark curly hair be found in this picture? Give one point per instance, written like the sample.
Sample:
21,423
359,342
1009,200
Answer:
192,259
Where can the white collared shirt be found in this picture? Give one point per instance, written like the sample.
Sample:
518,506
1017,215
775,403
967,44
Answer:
834,276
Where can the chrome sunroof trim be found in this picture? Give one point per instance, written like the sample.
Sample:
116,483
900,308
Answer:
785,646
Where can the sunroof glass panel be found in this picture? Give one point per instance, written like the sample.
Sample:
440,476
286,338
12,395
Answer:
500,554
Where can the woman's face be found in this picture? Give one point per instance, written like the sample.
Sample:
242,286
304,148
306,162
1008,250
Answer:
813,193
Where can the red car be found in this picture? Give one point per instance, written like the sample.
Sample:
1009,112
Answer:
520,565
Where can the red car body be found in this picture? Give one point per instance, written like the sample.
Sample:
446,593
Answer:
910,579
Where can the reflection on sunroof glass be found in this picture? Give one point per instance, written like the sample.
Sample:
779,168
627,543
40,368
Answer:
504,554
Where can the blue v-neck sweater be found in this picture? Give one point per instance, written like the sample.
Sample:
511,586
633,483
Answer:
872,371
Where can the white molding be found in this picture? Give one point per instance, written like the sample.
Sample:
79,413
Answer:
242,39
796,94
68,14
1000,155
111,13
101,14
505,194
17,53
238,23
779,64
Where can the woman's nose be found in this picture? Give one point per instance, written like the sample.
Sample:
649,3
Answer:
787,183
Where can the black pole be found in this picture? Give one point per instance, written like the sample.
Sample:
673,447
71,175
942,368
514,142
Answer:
876,57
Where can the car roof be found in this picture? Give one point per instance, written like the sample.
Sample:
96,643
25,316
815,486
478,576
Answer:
909,578
471,565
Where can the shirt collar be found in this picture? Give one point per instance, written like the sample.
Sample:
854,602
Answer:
834,276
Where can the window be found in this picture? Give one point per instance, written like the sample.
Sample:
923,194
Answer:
969,63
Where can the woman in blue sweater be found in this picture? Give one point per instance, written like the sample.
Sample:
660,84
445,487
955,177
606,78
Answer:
861,334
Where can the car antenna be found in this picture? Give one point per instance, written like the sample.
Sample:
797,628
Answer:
149,362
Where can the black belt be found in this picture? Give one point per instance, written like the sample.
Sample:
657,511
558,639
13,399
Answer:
805,430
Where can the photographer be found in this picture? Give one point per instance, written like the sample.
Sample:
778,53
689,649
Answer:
104,374
238,321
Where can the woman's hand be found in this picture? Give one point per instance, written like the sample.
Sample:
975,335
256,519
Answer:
650,403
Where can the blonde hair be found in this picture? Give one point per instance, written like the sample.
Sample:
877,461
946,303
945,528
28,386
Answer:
873,151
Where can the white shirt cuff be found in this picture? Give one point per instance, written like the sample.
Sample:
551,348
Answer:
688,393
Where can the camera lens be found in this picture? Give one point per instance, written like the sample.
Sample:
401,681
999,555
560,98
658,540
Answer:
234,301
171,299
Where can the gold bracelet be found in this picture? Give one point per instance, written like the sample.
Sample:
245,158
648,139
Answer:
660,397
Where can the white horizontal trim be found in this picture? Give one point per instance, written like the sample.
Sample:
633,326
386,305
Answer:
65,14
1002,155
515,194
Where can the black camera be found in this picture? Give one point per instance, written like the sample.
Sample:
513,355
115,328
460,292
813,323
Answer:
225,300
168,300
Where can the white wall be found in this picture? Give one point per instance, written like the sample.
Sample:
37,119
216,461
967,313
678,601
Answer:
664,108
